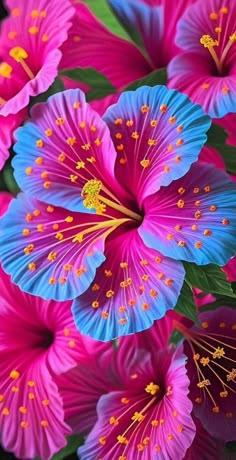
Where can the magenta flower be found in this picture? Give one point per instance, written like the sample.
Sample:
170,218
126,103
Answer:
38,341
150,413
211,370
206,69
113,192
29,50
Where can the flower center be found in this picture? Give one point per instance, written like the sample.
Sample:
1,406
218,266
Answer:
217,46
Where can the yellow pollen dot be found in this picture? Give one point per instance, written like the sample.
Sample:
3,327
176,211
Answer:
122,457
152,388
203,383
25,232
145,306
168,282
224,10
152,142
76,105
145,163
31,396
198,215
169,236
207,232
82,124
137,417
71,343
118,121
213,16
145,277
50,208
33,30
47,184
12,34
68,267
44,423
52,256
178,227
5,70
71,141
198,400
145,108
103,440
225,222
32,266
1,398
213,208
123,321
180,203
196,356
39,160
181,190
216,409
172,120
205,325
86,147
23,410
153,123
95,304
175,413
160,276
154,423
205,85
62,280
123,265
124,400
34,13
76,38
104,314
129,123
44,175
197,203
204,361
218,353
208,42
180,428
163,108
15,389
93,128
80,165
5,411
110,293
113,421
24,424
140,447
135,135
95,287
120,147
198,244
52,280
166,169
181,243
39,143
122,309
118,136
224,394
153,293
179,142
14,374
194,227
178,159
15,12
45,38
48,132
170,148
169,437
60,121
158,260
225,90
122,439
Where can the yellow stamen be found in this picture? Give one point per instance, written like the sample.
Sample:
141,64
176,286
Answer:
19,55
109,223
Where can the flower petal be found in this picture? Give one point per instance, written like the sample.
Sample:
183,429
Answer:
204,446
65,145
37,34
135,286
158,134
41,249
88,37
195,218
32,415
144,20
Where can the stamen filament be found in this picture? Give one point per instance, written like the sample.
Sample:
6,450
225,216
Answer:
114,223
27,69
121,208
2,101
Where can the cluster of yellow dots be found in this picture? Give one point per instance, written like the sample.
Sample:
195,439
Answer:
151,142
23,410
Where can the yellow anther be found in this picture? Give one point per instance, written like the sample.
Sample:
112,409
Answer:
179,142
224,394
15,12
1,398
44,423
14,374
205,85
145,163
172,120
213,208
34,14
213,16
124,400
23,410
225,90
12,34
154,423
104,315
69,219
49,132
95,304
61,157
5,70
24,424
181,243
218,353
43,14
123,264
204,383
68,267
178,159
181,190
80,165
52,280
178,227
166,169
135,135
123,321
103,440
71,141
60,121
45,402
198,215
66,332
82,124
118,135
31,396
122,439
194,227
153,123
152,388
25,232
169,437
71,343
216,409
5,411
180,203
145,306
232,37
152,142
229,414
38,160
47,184
207,232
113,421
15,389
198,400
129,123
86,147
204,361
33,30
225,221
18,53
145,108
224,10
179,129
110,293
98,141
32,266
52,256
208,42
163,108
169,282
95,287
118,121
218,30
39,143
122,309
170,148
198,244
153,293
169,236
50,208
45,38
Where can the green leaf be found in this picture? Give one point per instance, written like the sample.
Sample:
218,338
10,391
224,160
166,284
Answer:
157,77
208,278
73,442
217,137
186,305
176,337
100,85
3,187
9,179
103,12
56,87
